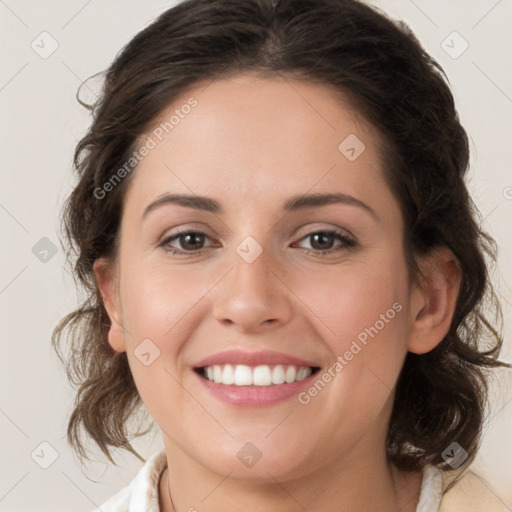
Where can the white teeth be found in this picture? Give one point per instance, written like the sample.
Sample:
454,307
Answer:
243,375
303,373
217,373
278,375
291,373
262,375
228,375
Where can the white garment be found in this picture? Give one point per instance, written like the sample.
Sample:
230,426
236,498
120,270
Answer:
141,495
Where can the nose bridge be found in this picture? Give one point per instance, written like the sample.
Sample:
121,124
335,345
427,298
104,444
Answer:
253,295
252,265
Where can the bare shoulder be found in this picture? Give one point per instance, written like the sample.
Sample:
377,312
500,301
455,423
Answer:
472,494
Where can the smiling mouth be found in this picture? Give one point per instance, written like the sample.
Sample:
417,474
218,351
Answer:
261,375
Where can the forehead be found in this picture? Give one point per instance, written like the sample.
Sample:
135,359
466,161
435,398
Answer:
259,139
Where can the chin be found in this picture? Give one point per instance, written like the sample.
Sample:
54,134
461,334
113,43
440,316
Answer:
260,462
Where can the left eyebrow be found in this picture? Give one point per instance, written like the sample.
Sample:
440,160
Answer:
197,202
294,203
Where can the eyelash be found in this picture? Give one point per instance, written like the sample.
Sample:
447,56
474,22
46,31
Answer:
348,243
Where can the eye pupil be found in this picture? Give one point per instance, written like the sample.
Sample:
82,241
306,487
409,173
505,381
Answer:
190,236
322,237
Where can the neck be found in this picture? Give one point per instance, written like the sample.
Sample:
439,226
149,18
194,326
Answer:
361,482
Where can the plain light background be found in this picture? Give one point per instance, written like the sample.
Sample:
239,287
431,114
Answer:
41,122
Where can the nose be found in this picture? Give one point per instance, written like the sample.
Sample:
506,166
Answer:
253,297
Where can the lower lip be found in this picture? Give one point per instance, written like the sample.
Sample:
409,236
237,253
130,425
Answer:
255,396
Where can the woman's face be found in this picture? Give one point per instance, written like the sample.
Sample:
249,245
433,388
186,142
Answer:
261,281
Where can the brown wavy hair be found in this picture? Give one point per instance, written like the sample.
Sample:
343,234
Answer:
376,62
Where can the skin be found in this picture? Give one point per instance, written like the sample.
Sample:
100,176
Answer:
251,143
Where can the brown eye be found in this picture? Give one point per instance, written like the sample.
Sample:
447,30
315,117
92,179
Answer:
188,241
322,242
191,241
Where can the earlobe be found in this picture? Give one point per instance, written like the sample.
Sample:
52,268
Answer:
105,281
434,303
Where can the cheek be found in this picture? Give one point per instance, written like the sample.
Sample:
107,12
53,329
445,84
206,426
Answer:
159,308
360,313
354,300
157,300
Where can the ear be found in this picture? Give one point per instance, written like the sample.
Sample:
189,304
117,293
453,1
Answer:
105,280
433,303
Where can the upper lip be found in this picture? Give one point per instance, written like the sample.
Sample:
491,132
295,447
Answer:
265,357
